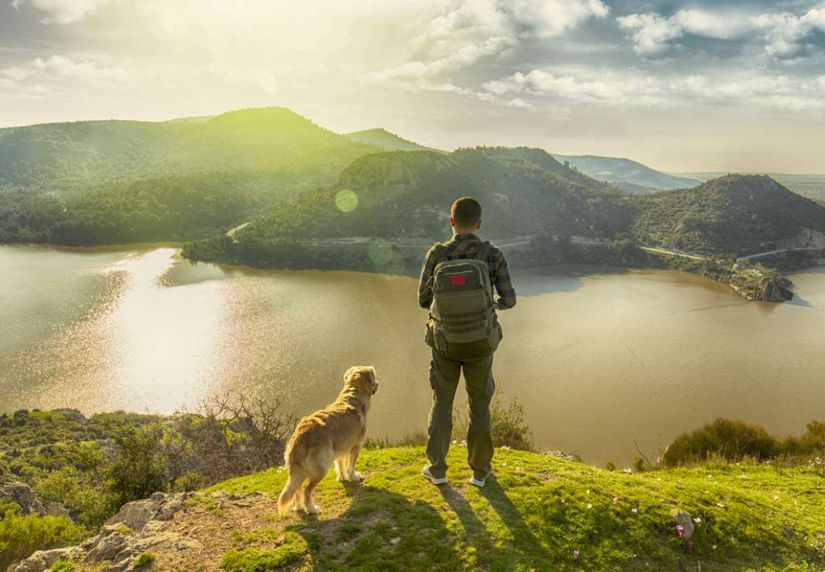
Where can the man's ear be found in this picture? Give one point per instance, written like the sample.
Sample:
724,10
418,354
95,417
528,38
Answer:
452,222
478,224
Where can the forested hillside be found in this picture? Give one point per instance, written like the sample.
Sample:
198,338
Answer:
406,195
108,182
734,215
385,140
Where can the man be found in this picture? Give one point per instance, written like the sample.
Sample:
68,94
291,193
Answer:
456,286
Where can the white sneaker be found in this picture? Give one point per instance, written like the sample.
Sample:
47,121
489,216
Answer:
425,472
479,482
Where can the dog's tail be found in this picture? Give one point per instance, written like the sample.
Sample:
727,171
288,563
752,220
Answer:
293,485
293,460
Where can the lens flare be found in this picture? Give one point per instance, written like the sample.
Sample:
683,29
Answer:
346,200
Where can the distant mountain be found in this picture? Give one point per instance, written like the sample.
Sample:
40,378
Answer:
629,176
811,186
76,156
385,140
407,195
734,215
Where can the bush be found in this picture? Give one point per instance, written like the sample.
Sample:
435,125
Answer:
138,469
724,439
508,427
145,560
22,535
811,444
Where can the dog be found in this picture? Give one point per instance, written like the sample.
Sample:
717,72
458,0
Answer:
334,433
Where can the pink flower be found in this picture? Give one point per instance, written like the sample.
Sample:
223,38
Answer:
576,553
680,530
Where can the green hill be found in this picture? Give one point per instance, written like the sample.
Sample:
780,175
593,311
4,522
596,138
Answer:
731,216
109,182
406,195
628,175
75,156
539,513
384,140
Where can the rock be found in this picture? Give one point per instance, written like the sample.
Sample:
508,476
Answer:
109,547
772,291
135,514
23,496
44,559
56,509
169,508
684,520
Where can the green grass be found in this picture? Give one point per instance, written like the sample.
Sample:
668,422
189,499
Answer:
145,560
541,509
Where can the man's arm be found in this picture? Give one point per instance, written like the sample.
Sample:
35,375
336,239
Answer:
425,287
505,293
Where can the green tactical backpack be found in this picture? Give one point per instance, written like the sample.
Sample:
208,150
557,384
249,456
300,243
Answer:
462,316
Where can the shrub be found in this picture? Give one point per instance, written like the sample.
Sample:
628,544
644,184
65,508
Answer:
722,438
22,535
810,444
139,469
145,560
508,427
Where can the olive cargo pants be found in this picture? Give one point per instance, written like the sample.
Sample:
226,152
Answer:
478,379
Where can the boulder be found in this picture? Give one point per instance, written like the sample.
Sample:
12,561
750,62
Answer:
45,559
135,514
22,495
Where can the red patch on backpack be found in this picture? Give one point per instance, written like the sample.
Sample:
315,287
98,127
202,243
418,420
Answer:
457,280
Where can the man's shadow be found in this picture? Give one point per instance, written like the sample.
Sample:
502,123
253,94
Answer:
530,551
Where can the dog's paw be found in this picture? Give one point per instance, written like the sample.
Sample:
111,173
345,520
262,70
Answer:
341,478
357,477
295,508
313,509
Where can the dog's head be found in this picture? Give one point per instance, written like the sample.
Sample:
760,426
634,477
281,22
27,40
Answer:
361,378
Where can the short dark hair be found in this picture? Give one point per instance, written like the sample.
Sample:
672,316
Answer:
466,210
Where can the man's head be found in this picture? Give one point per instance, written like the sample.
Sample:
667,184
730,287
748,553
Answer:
465,215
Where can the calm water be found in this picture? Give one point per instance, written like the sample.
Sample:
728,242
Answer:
598,359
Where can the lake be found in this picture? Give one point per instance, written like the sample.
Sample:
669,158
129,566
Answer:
600,359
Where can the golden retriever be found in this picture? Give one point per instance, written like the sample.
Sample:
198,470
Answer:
334,433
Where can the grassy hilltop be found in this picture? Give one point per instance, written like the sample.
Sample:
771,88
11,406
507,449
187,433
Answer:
541,513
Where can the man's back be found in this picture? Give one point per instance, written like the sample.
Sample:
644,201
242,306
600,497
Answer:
464,247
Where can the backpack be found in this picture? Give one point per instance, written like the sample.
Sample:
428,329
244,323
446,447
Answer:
463,320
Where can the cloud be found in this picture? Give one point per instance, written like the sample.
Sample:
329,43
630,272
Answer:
56,68
63,11
470,30
654,34
745,89
784,35
787,34
651,33
541,82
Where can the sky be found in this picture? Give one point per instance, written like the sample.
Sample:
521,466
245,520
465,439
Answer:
681,86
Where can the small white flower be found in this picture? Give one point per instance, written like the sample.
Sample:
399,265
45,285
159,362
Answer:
697,520
589,505
634,510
